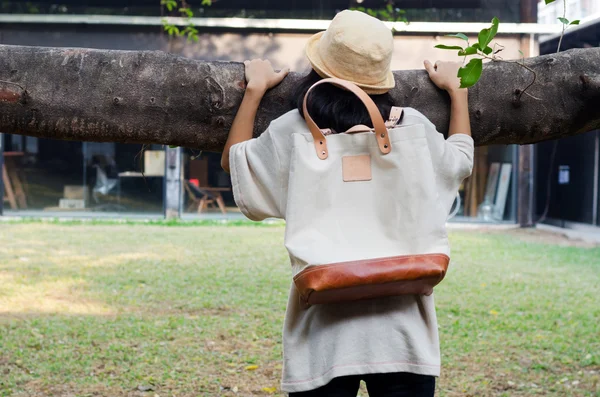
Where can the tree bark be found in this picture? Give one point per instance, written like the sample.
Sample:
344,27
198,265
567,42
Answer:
155,97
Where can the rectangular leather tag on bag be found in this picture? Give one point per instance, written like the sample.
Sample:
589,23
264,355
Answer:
356,168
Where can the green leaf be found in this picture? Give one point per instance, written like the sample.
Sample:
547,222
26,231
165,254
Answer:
563,20
468,51
550,1
470,74
459,35
487,35
186,11
449,47
575,22
170,4
488,50
206,2
168,28
390,8
521,52
173,30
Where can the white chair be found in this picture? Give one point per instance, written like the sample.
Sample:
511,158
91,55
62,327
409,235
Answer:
104,184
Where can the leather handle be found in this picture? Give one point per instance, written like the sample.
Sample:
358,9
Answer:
381,132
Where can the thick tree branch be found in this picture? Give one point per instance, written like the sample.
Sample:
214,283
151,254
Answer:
155,97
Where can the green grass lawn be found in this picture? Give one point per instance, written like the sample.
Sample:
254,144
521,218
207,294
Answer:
146,310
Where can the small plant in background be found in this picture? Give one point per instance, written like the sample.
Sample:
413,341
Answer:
183,10
565,22
389,13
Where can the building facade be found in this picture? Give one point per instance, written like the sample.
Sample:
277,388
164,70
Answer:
574,10
86,179
568,170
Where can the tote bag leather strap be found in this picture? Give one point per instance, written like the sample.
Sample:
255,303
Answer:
381,132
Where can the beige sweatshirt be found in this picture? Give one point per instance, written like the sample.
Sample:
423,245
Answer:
397,334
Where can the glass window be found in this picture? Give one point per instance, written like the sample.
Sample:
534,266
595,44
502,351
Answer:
206,187
48,177
568,168
42,175
125,177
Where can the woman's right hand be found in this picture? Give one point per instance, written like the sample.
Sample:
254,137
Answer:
261,76
444,75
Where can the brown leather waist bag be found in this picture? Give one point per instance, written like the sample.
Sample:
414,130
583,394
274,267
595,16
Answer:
373,278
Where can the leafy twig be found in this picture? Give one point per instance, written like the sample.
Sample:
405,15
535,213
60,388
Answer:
495,59
471,72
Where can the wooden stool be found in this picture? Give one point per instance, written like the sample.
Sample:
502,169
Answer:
13,188
205,202
202,197
9,194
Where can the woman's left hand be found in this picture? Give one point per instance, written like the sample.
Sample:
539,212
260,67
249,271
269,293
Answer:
261,76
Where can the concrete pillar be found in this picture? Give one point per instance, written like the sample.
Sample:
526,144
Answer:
526,192
173,183
526,186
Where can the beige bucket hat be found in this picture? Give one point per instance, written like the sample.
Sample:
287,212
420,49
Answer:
356,47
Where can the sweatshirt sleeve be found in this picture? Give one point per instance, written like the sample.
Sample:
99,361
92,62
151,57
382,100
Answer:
255,177
452,158
460,150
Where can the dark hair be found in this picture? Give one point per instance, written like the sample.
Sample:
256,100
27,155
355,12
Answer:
335,108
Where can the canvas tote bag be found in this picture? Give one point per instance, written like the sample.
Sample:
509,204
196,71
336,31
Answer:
363,216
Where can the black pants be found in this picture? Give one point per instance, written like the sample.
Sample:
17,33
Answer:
399,384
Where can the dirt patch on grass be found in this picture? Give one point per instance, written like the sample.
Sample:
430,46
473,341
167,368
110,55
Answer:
36,389
487,380
189,312
244,367
51,296
39,389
